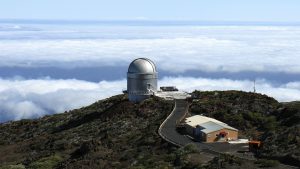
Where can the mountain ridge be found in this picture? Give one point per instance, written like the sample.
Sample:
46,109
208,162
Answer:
114,133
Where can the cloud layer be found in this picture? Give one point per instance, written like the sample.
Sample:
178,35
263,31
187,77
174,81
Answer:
177,49
34,98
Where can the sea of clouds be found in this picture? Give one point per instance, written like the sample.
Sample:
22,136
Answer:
175,49
215,48
34,98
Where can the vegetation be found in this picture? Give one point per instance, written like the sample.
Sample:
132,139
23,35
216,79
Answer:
284,143
258,117
115,133
111,133
267,163
18,166
229,161
46,163
239,109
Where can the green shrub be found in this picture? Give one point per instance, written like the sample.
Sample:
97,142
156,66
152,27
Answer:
190,148
19,166
46,163
267,163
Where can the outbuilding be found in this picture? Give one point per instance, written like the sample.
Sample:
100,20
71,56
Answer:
207,129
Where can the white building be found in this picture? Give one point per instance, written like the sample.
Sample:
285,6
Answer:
207,129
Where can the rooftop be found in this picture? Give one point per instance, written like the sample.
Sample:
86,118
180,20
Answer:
142,66
209,124
172,94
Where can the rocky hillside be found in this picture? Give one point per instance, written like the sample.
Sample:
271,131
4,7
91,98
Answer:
283,143
258,117
111,133
114,133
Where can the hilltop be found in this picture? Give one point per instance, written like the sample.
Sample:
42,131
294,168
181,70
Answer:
257,117
115,133
111,133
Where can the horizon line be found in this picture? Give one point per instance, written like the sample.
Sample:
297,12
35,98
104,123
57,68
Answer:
149,21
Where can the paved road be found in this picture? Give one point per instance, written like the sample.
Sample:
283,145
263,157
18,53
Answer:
168,132
167,129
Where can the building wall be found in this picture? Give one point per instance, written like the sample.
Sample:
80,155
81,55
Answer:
212,137
189,129
138,86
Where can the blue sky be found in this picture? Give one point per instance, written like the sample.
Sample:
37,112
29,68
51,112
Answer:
208,10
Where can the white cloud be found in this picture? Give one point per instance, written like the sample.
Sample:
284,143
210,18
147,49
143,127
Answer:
206,48
175,49
34,98
293,85
284,93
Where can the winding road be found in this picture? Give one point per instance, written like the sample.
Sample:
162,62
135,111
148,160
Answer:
167,131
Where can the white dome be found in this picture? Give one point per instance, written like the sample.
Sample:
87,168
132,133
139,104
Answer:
142,66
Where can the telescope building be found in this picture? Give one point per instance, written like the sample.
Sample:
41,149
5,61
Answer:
141,79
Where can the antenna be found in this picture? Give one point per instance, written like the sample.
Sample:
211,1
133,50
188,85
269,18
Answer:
254,87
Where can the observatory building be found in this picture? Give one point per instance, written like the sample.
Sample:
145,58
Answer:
141,79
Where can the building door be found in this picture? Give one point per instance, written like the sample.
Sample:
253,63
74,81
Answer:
222,135
148,86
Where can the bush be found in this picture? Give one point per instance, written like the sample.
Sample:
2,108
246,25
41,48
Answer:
19,166
190,148
46,163
267,163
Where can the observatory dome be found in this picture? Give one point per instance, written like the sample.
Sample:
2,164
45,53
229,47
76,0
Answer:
142,66
141,79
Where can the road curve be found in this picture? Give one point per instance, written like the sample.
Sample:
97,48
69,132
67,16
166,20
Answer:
167,129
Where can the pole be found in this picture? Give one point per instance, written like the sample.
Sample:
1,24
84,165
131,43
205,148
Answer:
254,87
